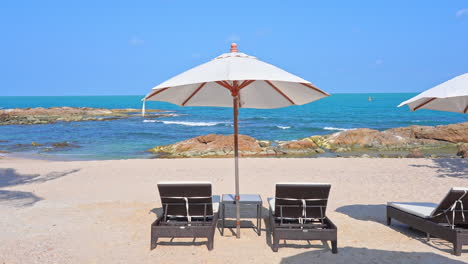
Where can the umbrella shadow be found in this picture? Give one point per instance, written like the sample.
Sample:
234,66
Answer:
457,168
10,177
365,255
247,211
18,199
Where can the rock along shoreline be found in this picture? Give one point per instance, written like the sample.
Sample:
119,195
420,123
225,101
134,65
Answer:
413,142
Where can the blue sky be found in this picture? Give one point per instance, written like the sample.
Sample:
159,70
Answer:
127,47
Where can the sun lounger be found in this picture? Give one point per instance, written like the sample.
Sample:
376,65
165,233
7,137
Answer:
189,210
445,220
298,212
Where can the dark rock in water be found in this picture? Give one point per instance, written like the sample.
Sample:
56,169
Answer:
463,151
64,145
3,141
415,153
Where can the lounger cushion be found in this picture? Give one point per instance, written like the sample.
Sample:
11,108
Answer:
423,210
271,202
216,200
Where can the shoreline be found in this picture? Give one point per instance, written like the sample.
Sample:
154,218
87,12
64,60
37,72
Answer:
134,135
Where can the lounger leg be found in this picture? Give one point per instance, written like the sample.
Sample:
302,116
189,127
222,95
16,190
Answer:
210,243
334,246
154,241
223,209
259,220
275,243
269,222
457,248
389,221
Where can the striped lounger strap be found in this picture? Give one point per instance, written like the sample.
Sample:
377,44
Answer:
304,208
452,209
186,200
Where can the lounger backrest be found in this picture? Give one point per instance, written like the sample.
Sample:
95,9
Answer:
291,197
457,196
177,196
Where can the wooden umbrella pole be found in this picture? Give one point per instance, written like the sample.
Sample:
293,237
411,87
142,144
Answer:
235,102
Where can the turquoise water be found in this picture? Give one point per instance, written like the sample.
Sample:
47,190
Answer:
129,138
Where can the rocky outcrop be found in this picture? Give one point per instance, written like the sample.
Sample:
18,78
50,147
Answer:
299,147
413,141
40,115
209,146
451,133
403,138
213,145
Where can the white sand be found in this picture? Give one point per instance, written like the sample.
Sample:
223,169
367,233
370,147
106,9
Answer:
101,211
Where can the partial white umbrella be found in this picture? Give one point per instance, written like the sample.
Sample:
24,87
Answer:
450,96
236,80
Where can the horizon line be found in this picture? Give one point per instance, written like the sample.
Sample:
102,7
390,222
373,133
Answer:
144,95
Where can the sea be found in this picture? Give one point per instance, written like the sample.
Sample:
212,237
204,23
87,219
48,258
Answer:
129,138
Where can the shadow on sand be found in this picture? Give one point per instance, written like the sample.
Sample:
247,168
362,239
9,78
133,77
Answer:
457,168
364,255
9,177
18,199
377,213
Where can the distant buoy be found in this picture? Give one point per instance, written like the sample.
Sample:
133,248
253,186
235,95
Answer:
370,99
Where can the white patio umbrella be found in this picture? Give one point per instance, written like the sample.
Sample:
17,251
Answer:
236,80
450,96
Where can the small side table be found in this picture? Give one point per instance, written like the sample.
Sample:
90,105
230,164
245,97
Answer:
245,199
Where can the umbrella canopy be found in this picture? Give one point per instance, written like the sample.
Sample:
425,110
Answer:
450,96
259,84
236,80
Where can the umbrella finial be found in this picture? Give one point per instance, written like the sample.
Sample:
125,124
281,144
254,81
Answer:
234,47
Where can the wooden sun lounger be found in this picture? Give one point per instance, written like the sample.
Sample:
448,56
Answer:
189,210
445,220
298,213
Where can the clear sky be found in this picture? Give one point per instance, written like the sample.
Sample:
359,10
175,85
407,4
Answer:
91,47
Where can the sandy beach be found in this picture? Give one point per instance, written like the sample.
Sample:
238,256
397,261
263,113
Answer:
101,211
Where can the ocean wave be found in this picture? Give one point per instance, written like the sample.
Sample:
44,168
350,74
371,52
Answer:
283,127
338,129
184,123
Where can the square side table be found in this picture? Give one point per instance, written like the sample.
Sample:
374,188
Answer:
245,199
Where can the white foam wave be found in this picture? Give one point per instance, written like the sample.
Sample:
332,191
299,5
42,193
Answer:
338,129
283,127
184,123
